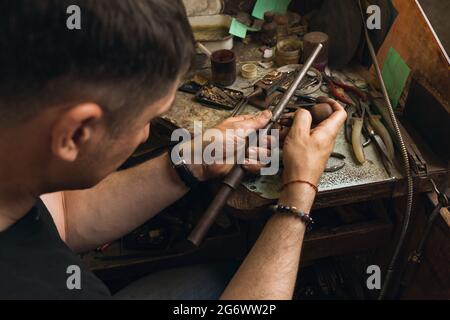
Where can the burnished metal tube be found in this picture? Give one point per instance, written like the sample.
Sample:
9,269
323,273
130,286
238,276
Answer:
237,173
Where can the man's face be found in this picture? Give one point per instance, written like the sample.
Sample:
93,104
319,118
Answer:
118,148
101,152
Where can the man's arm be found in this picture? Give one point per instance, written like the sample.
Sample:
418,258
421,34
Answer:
270,269
125,200
117,205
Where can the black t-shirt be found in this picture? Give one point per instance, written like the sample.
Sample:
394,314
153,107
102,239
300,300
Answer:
36,264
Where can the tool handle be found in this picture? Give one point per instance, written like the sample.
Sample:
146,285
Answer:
320,112
356,140
230,183
380,129
337,92
352,89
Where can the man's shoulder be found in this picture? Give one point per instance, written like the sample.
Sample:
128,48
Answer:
54,202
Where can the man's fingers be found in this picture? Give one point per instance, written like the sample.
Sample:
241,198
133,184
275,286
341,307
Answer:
257,158
262,116
241,117
258,153
254,168
255,122
302,123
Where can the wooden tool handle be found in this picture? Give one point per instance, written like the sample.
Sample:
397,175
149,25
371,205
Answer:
230,183
320,112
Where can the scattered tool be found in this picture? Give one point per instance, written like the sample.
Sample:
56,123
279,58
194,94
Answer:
237,173
219,97
417,161
309,85
263,93
354,129
265,90
357,125
339,90
387,161
379,128
336,167
320,110
351,113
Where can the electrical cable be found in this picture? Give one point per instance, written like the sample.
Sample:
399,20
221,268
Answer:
405,160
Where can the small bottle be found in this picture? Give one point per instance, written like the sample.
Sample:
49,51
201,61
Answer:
269,29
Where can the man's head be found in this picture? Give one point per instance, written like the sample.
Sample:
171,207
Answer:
86,97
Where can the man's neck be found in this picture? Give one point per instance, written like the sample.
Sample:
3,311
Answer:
12,209
18,187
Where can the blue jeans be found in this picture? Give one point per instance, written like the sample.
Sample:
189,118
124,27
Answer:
200,282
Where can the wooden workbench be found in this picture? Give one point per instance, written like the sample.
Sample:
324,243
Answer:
354,183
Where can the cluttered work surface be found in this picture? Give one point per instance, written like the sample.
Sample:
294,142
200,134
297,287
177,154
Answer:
258,191
351,213
359,194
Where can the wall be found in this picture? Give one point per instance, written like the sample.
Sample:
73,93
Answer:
411,37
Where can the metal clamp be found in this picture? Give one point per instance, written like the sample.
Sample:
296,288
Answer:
441,196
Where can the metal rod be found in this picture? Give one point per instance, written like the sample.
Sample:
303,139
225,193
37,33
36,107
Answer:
405,158
237,173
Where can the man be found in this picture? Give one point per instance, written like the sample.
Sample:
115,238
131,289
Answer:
74,104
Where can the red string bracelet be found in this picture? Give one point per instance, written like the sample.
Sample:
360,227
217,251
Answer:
302,181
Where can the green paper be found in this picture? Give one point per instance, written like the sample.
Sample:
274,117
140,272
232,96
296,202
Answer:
239,29
262,6
395,74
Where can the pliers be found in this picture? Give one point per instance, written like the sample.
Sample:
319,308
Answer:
371,125
379,129
354,130
378,132
339,89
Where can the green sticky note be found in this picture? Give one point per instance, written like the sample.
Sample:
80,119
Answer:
395,74
262,6
238,29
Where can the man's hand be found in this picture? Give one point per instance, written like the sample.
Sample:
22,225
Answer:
306,151
246,123
270,270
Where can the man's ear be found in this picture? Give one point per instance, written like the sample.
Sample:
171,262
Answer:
73,129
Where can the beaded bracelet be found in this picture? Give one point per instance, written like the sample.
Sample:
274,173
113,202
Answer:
304,217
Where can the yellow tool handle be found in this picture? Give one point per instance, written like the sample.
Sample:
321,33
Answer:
380,129
358,150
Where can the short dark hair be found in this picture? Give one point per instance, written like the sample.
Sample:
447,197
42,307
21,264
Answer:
127,54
